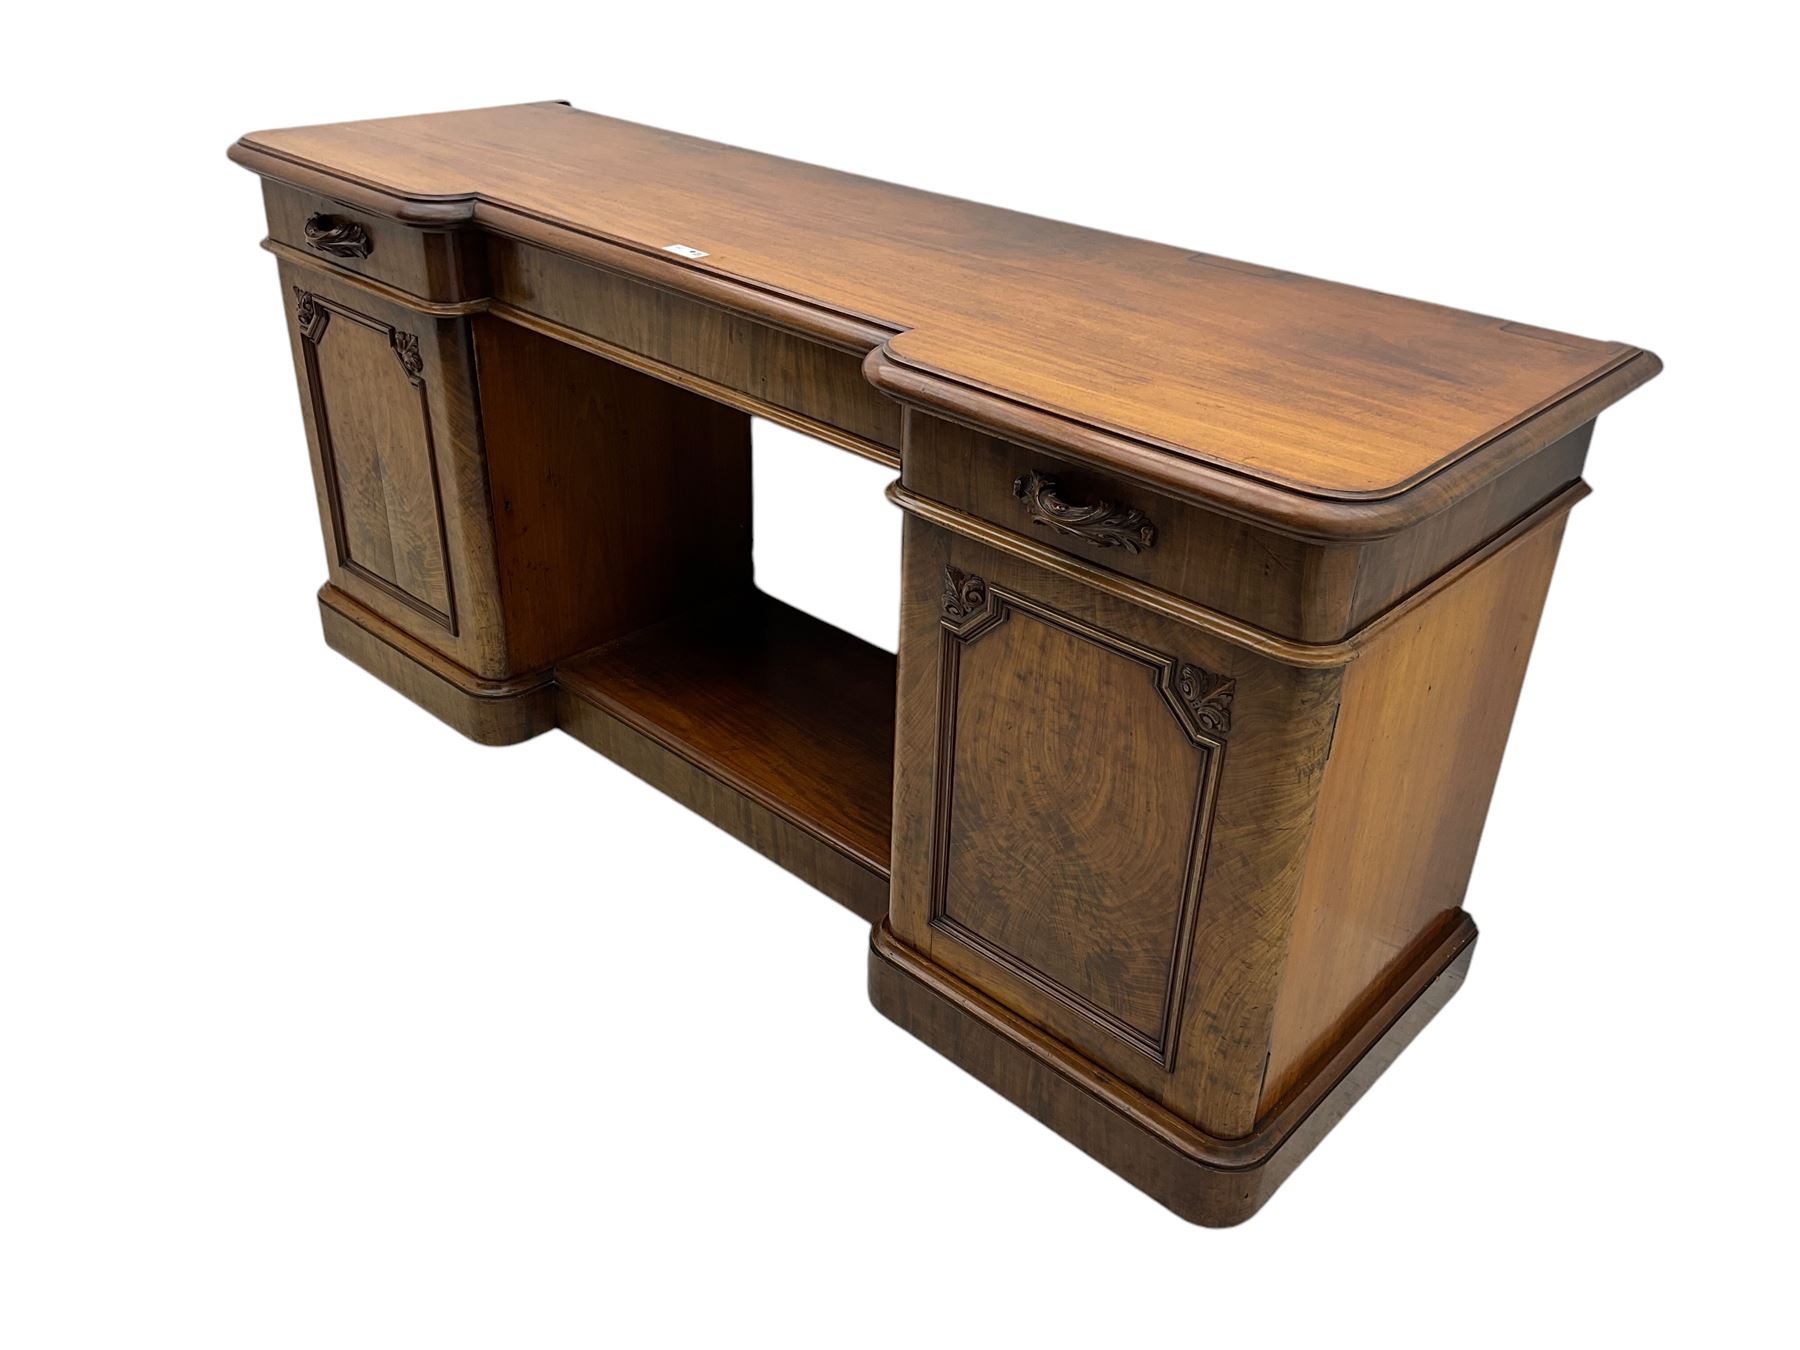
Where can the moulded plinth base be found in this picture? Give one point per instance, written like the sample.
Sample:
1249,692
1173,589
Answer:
491,712
1206,1180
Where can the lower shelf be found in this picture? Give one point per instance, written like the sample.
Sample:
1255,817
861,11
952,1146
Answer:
796,715
772,724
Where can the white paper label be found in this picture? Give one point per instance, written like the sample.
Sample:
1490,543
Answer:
684,251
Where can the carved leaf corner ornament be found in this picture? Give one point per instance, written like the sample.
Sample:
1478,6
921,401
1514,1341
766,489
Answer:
1208,697
306,307
964,594
406,348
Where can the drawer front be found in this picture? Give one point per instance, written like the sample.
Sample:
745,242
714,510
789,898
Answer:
822,385
1283,585
436,265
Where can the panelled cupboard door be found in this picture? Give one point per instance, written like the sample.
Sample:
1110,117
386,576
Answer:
1100,817
386,394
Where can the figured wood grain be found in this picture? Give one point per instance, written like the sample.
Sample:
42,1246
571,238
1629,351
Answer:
381,468
1315,388
1420,733
1267,792
1218,584
1073,815
441,410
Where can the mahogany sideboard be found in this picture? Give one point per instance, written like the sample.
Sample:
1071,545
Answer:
1218,584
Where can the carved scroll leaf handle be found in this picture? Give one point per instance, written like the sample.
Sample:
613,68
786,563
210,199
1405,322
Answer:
1098,522
337,236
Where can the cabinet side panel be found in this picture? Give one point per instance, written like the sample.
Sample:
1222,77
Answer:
618,499
1421,728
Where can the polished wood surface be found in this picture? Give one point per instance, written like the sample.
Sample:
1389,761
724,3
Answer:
376,448
763,821
1312,592
1204,1178
789,710
811,386
588,463
1218,585
491,712
439,265
1318,388
1421,727
1101,832
1226,922
390,405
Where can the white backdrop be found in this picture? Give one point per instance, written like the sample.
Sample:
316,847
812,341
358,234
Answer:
296,1051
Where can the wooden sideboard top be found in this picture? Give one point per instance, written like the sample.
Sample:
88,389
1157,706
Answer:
1316,405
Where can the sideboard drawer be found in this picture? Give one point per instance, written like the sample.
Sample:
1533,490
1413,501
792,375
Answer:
1073,508
780,371
1284,585
436,265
